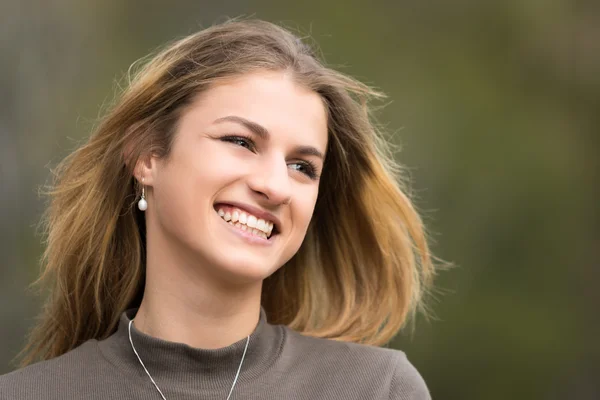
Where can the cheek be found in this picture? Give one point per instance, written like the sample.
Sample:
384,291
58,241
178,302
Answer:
185,188
171,209
215,167
303,210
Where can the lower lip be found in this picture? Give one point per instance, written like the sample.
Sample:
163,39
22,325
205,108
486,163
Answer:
248,237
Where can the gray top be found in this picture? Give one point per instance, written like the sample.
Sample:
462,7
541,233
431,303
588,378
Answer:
279,364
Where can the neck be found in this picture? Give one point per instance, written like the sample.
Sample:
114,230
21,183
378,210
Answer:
181,304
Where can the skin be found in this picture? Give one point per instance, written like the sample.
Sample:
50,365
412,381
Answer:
204,279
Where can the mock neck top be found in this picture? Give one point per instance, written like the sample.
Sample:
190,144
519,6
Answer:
203,371
279,364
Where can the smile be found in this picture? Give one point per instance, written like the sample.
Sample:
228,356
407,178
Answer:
246,222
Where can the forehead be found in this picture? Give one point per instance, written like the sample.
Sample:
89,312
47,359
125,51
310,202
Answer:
272,99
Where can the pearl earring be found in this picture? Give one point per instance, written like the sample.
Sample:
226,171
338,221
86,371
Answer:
143,204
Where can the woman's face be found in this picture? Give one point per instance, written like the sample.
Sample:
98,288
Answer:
238,190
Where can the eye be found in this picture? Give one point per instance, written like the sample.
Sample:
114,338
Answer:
241,141
305,167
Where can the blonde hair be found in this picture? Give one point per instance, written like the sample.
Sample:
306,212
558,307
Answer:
362,268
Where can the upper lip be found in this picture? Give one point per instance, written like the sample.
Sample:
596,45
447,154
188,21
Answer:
257,212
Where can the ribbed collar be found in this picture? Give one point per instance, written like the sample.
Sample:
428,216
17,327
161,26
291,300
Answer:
179,369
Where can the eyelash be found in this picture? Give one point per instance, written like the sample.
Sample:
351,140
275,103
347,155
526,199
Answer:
312,169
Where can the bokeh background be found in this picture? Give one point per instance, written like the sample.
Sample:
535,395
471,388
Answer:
496,105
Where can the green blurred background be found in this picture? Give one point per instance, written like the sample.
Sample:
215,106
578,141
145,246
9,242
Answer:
496,105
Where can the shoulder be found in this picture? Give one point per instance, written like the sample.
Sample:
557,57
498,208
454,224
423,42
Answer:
407,382
46,378
370,368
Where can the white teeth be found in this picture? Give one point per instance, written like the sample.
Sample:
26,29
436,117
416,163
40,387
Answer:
245,222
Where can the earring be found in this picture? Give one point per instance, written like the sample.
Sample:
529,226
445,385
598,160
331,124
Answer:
143,204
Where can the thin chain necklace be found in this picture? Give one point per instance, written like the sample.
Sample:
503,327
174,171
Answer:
152,379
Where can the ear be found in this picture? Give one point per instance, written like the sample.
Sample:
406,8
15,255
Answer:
145,165
146,168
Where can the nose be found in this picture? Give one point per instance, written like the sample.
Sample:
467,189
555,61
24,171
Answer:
270,180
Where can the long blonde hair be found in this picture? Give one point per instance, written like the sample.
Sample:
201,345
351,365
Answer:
362,268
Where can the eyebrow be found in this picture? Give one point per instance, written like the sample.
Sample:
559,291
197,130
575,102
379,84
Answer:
263,133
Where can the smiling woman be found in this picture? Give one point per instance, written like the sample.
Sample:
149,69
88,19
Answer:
271,252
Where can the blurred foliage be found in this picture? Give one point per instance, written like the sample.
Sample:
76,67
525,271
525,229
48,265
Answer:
494,103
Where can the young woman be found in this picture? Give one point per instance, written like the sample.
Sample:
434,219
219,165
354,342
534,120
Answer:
234,229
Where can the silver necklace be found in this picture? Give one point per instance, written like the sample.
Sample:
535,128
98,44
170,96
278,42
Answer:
152,379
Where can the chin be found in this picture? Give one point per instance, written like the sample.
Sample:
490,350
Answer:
241,270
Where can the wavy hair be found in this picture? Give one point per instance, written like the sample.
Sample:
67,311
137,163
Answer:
362,268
